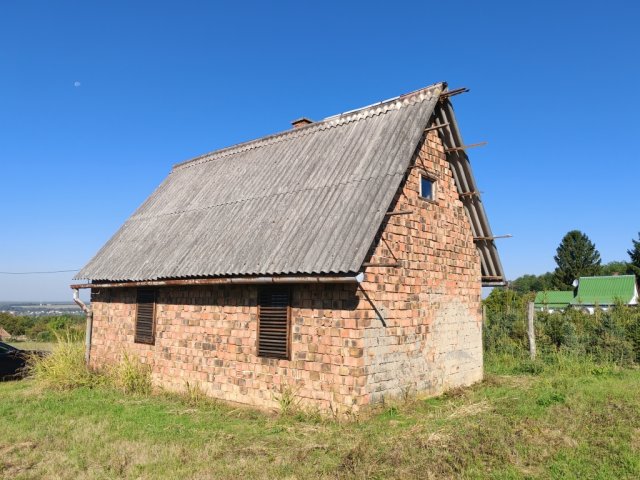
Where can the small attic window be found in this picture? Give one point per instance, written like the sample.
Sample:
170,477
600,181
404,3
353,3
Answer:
427,188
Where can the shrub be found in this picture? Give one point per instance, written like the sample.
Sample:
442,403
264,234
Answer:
505,333
43,328
611,336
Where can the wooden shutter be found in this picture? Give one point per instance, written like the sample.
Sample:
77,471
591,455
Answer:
273,322
145,313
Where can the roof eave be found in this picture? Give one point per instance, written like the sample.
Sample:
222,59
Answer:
246,280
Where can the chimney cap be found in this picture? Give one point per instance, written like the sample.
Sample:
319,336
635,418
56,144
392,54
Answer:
301,122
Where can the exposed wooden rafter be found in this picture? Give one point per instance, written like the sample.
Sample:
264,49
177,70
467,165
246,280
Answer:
491,238
436,127
464,147
399,212
451,93
390,265
469,194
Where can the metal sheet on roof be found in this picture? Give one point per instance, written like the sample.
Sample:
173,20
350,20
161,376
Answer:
605,290
308,201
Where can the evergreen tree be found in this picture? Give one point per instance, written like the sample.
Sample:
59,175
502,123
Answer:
576,256
634,253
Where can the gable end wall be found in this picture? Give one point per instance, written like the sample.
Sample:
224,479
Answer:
427,332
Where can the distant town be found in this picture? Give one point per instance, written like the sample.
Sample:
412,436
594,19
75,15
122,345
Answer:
35,309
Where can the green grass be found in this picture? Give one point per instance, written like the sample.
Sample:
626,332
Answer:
562,421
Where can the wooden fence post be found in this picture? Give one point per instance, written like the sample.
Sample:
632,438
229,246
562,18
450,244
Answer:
531,330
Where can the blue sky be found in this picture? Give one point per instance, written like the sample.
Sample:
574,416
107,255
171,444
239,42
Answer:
99,99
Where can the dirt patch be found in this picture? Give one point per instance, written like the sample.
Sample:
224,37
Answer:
6,450
13,458
470,410
516,381
635,440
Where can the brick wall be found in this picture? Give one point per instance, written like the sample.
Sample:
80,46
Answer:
207,335
427,335
415,327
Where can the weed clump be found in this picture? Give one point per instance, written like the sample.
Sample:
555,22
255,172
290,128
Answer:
287,400
130,375
65,367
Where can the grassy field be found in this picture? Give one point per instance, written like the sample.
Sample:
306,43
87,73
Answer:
561,422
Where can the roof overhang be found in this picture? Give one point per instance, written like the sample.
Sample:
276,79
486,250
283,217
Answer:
179,282
492,271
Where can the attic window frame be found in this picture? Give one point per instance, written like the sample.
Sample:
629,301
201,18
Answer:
261,292
137,338
423,174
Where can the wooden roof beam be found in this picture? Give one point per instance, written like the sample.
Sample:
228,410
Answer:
464,147
451,93
436,127
475,193
491,238
399,212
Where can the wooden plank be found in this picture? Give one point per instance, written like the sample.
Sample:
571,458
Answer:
451,93
399,212
531,333
436,127
464,147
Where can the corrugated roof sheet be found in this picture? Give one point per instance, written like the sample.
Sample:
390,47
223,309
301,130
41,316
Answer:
554,299
306,201
605,290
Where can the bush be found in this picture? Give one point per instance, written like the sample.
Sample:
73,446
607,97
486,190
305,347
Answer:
611,336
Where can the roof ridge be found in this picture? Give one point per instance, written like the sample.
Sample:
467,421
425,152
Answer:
379,108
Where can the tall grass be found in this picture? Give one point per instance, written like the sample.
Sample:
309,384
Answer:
130,375
65,367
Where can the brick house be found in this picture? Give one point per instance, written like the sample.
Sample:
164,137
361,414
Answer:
342,259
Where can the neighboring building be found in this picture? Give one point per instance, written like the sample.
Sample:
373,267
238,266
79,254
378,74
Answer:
342,259
553,300
4,335
592,292
604,292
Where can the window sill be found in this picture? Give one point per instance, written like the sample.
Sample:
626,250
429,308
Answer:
427,200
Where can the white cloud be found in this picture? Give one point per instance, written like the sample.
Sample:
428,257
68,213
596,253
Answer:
76,84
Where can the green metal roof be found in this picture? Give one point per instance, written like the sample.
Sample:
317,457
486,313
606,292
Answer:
554,299
605,290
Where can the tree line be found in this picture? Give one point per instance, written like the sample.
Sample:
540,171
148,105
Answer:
577,256
40,328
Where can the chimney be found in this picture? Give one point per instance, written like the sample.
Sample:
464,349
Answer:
301,122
